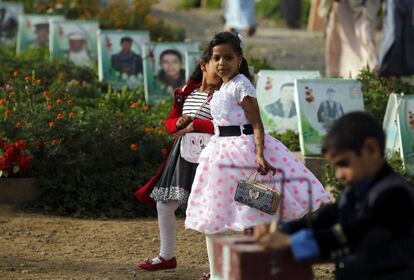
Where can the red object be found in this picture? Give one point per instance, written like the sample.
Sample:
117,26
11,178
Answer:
163,265
206,126
240,258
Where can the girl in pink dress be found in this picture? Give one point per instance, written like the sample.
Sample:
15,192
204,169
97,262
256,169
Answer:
240,140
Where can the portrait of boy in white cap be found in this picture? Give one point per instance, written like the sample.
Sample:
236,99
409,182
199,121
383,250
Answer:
78,51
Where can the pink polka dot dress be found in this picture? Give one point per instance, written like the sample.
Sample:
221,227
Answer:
211,207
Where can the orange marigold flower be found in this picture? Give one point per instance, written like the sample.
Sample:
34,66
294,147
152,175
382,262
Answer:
15,73
7,112
134,147
72,114
60,116
134,105
27,79
54,142
19,125
59,101
2,102
70,101
48,99
49,107
39,81
160,132
51,124
146,108
46,93
149,130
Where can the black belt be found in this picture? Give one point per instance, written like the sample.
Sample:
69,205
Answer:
235,130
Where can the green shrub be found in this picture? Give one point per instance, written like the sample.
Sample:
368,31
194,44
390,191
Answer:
377,90
289,138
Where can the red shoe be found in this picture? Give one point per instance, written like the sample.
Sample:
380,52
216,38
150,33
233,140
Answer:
163,265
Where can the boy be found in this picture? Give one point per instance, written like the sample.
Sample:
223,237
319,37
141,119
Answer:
368,231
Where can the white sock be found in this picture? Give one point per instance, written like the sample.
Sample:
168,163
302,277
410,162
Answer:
210,254
168,228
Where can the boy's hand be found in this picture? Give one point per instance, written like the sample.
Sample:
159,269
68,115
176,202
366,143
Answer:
275,241
271,240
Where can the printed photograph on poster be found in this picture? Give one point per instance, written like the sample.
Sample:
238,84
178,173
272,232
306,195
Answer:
9,14
320,102
275,95
164,69
33,31
120,60
406,124
75,41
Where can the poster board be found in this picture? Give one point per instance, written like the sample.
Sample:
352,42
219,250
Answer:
320,102
165,69
74,40
399,129
33,31
275,95
120,61
9,14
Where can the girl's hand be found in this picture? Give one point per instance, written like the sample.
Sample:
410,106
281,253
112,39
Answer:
183,131
263,167
183,121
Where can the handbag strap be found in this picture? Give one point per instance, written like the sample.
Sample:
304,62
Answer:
201,107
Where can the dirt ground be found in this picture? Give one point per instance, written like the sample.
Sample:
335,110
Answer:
34,246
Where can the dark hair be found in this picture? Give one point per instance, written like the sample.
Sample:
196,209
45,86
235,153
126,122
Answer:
233,40
126,39
197,75
173,52
350,131
286,85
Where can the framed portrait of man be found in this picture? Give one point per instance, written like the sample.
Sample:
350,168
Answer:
164,69
120,60
9,14
275,95
320,102
33,31
399,129
75,41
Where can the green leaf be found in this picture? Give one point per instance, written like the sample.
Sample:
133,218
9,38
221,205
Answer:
1,173
5,173
16,169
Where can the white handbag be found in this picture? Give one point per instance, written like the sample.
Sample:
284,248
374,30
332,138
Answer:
193,143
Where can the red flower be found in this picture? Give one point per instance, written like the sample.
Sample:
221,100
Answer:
24,163
21,145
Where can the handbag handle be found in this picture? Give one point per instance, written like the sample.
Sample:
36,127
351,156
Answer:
257,173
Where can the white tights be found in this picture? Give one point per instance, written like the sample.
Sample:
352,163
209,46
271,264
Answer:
168,228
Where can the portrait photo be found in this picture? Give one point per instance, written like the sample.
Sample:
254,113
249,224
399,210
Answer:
33,31
275,95
75,41
320,102
120,59
9,15
192,60
165,69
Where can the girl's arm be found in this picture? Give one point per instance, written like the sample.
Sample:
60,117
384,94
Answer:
251,109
